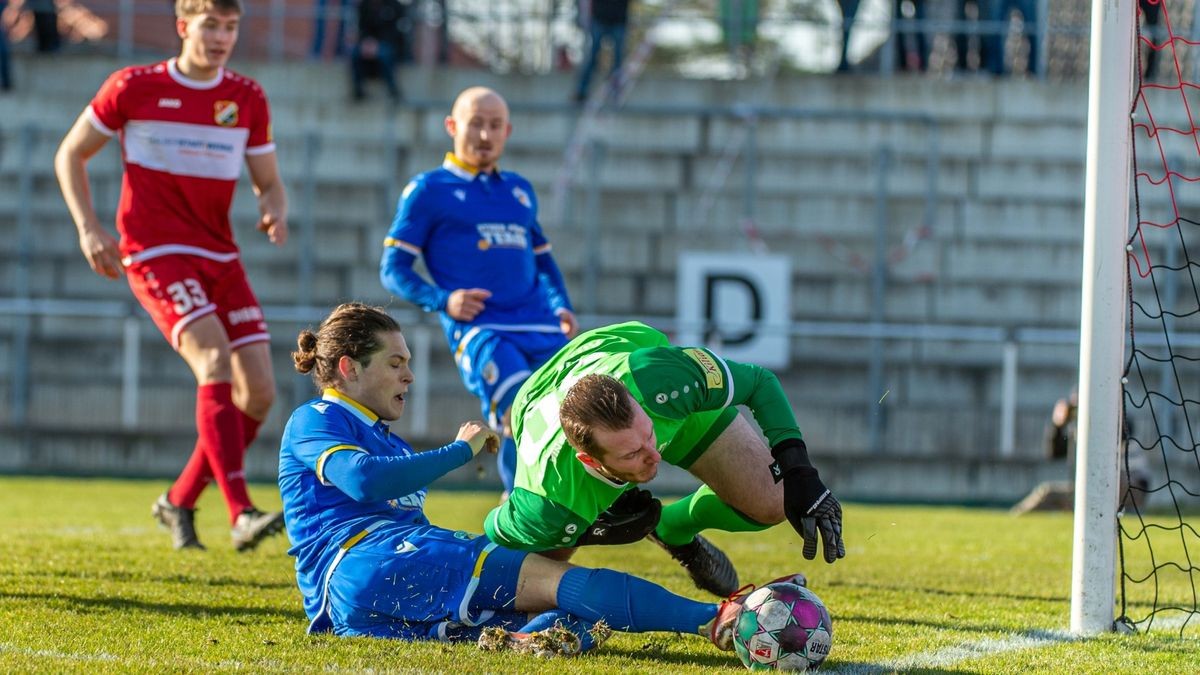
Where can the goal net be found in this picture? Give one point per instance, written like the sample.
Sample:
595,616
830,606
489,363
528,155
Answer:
1158,541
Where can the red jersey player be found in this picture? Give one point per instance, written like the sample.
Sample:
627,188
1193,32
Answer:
185,126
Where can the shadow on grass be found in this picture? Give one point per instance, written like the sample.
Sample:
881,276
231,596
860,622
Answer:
663,659
953,593
85,604
143,577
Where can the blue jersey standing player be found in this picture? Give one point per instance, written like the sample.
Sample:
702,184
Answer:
503,302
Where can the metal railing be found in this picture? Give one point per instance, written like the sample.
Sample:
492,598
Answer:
422,334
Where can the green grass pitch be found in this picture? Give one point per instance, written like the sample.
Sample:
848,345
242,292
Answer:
89,584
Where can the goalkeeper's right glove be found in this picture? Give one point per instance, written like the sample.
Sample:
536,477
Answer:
808,504
634,515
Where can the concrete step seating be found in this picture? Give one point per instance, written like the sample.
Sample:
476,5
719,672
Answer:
1001,245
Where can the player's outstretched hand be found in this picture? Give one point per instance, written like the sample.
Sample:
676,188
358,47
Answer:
634,515
102,253
479,436
465,304
809,506
274,227
568,324
824,516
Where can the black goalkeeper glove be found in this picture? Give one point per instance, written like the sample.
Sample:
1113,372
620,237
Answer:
633,516
809,505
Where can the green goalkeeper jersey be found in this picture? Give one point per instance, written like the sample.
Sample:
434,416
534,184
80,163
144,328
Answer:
555,495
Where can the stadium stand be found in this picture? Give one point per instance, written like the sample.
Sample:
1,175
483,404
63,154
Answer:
983,204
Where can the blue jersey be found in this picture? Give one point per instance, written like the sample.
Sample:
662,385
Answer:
474,230
342,473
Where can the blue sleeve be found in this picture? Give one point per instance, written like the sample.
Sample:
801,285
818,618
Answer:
550,276
548,273
405,241
370,478
398,276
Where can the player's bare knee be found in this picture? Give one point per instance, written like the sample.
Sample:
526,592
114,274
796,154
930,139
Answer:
766,508
772,515
258,401
209,364
259,393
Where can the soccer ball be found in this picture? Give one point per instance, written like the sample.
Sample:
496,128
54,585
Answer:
783,627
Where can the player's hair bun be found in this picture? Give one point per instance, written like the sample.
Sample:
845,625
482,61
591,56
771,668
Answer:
305,355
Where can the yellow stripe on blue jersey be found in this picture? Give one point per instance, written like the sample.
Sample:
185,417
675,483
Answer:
325,456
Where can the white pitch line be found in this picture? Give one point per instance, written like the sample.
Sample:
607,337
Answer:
951,656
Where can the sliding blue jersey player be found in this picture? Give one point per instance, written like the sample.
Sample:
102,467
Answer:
369,562
503,303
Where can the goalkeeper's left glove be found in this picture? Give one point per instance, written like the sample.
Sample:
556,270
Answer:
808,504
630,518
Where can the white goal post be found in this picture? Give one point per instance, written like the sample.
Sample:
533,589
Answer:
1103,314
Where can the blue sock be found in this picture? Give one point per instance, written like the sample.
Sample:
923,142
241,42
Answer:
572,623
627,603
506,462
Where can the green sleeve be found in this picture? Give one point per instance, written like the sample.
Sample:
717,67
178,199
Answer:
675,382
528,522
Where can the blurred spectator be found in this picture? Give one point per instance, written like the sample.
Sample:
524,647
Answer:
5,73
321,20
963,37
382,34
45,24
603,20
443,27
1152,31
998,15
1061,438
912,45
849,9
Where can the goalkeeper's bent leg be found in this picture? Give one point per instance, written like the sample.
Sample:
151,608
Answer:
702,510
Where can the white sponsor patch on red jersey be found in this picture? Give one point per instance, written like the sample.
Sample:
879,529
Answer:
186,149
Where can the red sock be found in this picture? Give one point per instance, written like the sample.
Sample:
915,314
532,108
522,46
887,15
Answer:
192,480
249,429
219,428
198,474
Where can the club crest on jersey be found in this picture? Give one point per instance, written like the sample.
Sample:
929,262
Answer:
523,197
225,113
490,372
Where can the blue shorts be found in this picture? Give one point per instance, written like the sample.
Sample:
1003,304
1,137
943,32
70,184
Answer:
494,364
424,582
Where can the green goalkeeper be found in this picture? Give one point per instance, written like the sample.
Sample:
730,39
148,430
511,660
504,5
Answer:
596,420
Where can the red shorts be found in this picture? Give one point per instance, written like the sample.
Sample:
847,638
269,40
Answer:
178,289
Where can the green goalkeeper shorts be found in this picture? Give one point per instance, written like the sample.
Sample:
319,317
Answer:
698,432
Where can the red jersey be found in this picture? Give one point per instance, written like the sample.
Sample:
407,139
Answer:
184,143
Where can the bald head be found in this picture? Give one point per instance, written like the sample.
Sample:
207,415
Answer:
473,96
479,125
